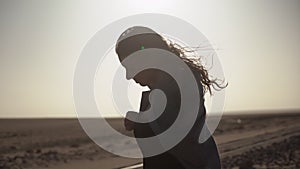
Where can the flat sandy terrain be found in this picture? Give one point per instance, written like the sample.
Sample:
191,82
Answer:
248,141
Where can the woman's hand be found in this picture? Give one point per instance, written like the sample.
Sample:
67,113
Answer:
128,123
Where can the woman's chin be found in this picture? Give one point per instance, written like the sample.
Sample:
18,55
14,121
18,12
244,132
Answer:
142,84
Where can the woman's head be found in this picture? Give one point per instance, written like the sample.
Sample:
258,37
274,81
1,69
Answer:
139,38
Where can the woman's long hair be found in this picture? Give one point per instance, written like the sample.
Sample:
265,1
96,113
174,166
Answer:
158,41
190,58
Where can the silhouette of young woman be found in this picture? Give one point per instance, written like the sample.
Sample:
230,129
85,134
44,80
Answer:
188,153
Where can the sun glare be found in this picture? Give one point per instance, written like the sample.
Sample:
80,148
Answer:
151,4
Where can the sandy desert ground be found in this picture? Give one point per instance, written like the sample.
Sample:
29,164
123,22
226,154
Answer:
244,141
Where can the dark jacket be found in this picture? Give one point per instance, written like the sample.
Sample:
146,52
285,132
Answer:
188,153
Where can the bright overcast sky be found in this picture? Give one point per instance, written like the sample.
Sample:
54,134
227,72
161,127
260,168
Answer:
42,40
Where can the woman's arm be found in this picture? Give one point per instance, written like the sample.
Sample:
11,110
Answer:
131,124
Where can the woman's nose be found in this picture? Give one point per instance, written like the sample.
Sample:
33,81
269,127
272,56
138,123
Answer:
127,75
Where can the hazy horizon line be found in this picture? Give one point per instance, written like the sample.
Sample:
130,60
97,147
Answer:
226,113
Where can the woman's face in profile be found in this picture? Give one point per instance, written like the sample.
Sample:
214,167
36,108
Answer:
144,78
130,45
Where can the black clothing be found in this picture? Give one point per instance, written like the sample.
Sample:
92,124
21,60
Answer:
188,153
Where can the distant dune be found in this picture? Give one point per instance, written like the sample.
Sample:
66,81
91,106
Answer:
257,141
